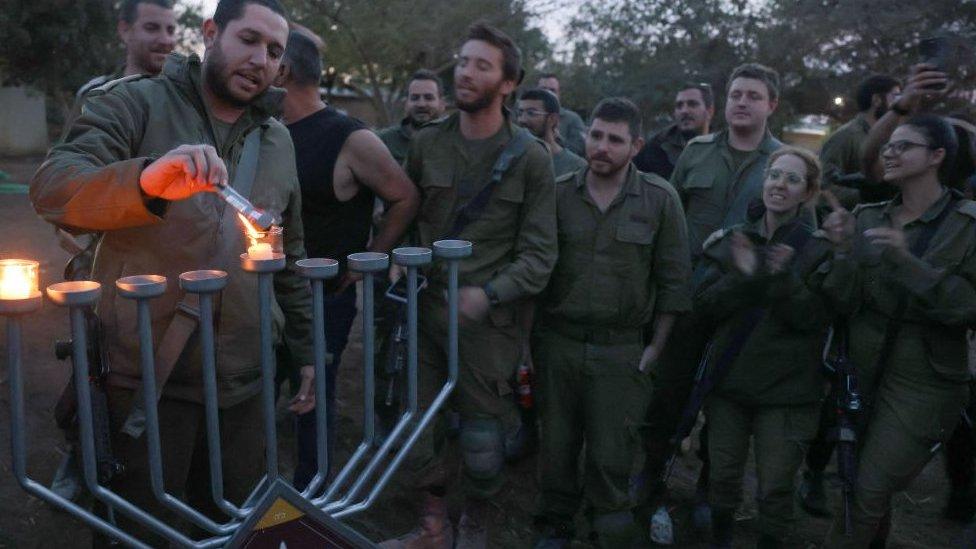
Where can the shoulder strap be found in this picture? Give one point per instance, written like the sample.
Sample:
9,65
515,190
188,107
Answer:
471,211
247,166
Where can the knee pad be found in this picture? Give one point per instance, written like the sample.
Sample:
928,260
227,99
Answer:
482,447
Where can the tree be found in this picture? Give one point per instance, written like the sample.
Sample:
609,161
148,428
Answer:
375,46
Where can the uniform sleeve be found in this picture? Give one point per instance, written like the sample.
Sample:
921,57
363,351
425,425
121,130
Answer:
837,156
91,180
944,296
792,300
679,175
723,290
536,245
291,289
672,260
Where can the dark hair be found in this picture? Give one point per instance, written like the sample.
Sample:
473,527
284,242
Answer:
424,74
619,109
767,75
549,100
708,96
129,9
511,55
303,59
548,75
876,84
940,135
229,10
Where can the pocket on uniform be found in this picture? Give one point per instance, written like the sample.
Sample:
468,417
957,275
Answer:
635,233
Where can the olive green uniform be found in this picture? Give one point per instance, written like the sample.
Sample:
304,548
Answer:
565,162
514,251
616,270
771,389
716,185
914,400
840,155
571,130
397,139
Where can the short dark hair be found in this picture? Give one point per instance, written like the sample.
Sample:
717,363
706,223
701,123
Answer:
303,59
549,100
876,84
129,9
511,55
619,109
708,96
940,135
229,10
424,74
767,75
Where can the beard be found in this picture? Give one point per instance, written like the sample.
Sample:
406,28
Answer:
606,167
482,101
214,78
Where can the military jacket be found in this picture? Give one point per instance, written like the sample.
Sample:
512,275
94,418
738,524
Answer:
572,129
397,140
714,192
565,162
841,155
940,288
90,182
617,268
515,236
779,361
661,152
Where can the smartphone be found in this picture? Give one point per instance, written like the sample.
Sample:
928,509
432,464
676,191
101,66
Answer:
935,51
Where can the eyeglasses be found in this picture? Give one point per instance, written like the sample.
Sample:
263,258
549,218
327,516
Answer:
529,113
791,177
897,148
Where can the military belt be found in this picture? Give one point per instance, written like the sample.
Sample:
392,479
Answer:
599,335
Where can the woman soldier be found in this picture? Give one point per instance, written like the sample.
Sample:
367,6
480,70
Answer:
763,363
904,271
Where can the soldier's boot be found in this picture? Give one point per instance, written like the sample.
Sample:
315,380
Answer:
723,526
615,530
473,525
434,532
767,541
811,493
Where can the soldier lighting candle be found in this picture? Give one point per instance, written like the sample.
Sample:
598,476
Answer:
18,278
263,244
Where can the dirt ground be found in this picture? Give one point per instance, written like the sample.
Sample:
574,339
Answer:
26,522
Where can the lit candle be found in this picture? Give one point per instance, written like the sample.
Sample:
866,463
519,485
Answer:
18,278
259,251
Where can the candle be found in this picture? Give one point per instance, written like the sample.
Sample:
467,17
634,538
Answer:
18,278
259,251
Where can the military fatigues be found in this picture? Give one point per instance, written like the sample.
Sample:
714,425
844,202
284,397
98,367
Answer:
514,251
771,391
565,161
571,130
661,152
90,182
397,139
616,270
841,155
716,193
915,398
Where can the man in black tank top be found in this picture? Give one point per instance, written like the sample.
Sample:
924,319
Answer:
341,165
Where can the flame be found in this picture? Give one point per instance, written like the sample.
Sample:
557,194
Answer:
250,230
16,280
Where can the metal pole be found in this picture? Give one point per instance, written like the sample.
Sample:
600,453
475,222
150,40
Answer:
265,281
321,418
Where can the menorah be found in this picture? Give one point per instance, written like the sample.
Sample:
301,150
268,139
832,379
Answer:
274,510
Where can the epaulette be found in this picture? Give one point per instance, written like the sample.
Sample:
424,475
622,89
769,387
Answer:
860,207
652,178
708,138
107,87
433,122
568,176
967,207
92,84
714,237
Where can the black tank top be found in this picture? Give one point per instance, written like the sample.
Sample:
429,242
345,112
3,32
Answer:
332,229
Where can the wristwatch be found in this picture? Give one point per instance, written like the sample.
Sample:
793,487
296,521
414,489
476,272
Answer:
491,293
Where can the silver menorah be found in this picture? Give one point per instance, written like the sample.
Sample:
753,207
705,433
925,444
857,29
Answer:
321,504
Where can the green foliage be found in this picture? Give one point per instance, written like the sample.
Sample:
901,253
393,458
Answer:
376,45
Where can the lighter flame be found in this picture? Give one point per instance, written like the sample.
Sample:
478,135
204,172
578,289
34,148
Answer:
252,232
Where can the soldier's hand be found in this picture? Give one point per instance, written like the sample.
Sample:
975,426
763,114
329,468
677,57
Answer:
888,238
744,254
183,172
778,257
925,84
473,303
304,401
839,225
648,357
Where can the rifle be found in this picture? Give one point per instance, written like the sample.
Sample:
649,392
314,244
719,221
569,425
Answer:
848,406
396,345
66,410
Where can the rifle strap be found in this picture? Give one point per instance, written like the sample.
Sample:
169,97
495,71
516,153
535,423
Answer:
184,323
918,249
473,210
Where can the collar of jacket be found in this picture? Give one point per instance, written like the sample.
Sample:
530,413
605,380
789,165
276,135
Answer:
186,72
766,146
